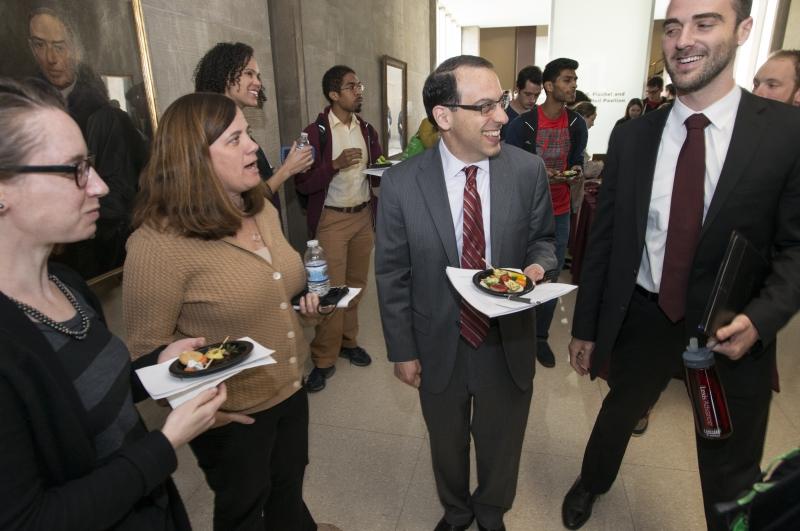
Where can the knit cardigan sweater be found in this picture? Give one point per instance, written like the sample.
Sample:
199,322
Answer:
176,287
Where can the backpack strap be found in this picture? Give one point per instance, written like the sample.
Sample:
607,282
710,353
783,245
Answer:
323,134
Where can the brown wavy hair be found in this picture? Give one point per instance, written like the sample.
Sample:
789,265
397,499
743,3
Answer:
179,189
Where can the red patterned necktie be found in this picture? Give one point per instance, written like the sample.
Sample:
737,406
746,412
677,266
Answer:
685,219
474,325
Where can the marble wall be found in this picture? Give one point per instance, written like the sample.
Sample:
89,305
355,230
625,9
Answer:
358,33
179,32
295,42
313,35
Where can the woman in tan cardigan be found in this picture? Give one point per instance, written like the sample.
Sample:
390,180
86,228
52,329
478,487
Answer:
208,259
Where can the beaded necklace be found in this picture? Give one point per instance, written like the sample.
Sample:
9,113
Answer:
59,327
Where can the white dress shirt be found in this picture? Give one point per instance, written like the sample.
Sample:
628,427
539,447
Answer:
349,187
722,115
455,179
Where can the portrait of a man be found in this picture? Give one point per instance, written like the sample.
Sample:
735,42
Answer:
102,92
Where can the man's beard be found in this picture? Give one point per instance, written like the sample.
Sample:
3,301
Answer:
718,60
564,97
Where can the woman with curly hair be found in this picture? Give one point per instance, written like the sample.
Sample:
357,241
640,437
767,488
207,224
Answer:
230,68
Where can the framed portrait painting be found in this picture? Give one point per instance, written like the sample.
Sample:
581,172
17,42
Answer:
94,54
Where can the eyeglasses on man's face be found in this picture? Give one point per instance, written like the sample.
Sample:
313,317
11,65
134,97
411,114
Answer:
355,87
79,171
41,46
486,108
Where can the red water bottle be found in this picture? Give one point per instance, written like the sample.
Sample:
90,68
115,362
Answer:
710,407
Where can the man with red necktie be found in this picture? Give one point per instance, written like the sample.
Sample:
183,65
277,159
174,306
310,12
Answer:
677,183
460,203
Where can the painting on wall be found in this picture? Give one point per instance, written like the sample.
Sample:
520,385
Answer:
395,115
93,52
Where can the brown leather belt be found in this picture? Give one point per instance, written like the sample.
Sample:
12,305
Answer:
350,210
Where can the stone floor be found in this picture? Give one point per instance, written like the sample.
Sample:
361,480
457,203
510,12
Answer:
370,467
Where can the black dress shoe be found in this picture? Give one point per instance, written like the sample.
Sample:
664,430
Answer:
641,426
316,378
444,525
545,354
357,356
481,528
577,507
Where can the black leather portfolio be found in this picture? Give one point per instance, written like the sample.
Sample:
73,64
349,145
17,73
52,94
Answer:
739,279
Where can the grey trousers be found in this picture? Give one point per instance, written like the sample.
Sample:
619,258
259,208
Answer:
483,401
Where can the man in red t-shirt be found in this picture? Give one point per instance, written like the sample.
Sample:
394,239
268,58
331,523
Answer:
558,135
553,144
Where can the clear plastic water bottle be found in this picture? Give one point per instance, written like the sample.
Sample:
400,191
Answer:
302,141
710,406
316,268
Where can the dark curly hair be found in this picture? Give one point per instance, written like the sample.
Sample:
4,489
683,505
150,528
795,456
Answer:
332,79
222,67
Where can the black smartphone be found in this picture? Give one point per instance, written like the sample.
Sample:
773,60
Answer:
334,295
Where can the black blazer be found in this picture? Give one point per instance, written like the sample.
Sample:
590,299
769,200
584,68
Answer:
48,473
758,194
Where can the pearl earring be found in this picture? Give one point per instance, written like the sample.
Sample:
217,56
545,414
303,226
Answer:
2,206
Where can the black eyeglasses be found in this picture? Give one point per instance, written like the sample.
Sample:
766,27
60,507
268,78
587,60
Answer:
354,87
80,171
485,108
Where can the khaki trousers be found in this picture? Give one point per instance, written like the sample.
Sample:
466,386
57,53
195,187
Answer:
347,239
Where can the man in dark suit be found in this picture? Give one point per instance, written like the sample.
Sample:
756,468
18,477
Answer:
677,182
456,204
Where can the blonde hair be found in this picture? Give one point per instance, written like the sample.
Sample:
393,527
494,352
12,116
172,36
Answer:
20,101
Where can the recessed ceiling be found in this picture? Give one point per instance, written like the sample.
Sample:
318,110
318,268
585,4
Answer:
504,13
498,13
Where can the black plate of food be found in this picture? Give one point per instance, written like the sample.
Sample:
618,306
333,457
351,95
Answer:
379,165
190,363
565,176
502,282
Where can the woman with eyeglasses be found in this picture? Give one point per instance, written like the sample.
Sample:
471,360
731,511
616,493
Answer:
231,69
208,256
74,453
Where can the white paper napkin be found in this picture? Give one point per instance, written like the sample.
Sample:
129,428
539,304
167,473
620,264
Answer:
494,306
159,383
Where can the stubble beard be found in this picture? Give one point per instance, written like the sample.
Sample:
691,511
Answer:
718,60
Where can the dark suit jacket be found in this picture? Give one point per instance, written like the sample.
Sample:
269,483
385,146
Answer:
416,241
758,194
